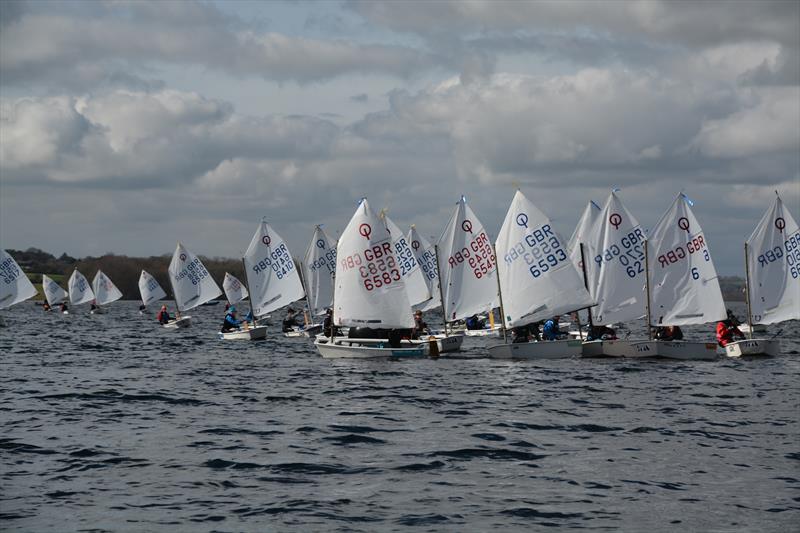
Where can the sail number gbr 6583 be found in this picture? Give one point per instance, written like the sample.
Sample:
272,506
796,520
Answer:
376,265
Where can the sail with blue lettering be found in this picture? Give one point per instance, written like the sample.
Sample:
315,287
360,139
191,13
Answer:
369,288
271,273
615,264
537,277
80,292
425,254
684,288
774,267
581,234
105,291
319,265
191,281
467,270
416,287
15,286
53,292
149,288
235,291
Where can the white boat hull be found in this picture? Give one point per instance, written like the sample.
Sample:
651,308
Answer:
753,347
249,334
180,323
537,350
495,332
355,349
592,349
626,348
309,331
684,350
445,343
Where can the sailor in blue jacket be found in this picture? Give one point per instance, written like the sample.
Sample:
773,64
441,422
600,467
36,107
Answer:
550,331
231,322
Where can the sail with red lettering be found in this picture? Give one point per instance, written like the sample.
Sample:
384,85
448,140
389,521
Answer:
615,269
684,288
418,292
425,255
369,287
105,291
80,292
15,286
319,265
53,292
581,234
466,266
537,277
271,273
235,291
191,281
774,266
149,288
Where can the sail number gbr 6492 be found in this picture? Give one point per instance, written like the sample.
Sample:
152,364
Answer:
376,265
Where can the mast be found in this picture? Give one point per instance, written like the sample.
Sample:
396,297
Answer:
499,295
647,288
439,283
747,290
586,284
302,275
247,286
174,294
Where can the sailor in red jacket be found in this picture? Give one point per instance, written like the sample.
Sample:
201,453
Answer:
727,330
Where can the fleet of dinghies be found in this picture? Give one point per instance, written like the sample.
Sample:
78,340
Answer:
375,277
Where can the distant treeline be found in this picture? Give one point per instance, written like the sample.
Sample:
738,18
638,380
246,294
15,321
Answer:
124,271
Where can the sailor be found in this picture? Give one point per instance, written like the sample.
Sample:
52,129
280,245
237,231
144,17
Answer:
521,334
420,326
46,307
231,322
142,309
63,307
93,306
474,322
601,332
551,331
290,322
163,315
669,333
249,316
727,330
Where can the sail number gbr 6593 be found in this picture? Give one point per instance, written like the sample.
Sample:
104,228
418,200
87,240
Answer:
376,265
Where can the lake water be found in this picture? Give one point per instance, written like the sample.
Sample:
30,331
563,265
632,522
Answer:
111,423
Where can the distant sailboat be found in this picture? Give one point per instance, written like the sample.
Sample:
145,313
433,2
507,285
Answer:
235,291
15,286
192,284
149,289
53,292
425,254
772,260
80,292
105,291
319,266
537,280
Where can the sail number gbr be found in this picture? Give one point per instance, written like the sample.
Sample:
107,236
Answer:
629,252
278,260
376,266
477,254
540,249
9,271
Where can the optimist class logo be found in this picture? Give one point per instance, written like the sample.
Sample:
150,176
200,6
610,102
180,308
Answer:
183,257
683,223
415,245
467,226
320,244
615,220
780,223
365,230
266,240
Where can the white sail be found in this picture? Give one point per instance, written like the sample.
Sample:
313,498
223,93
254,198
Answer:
80,292
149,288
369,288
425,254
413,278
105,291
235,291
271,274
581,234
319,265
615,268
683,281
466,266
537,277
53,292
774,266
15,286
191,281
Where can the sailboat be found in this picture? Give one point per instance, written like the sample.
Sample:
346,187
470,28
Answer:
369,290
149,289
235,291
614,265
772,268
53,292
192,285
467,269
270,274
15,286
425,254
682,285
576,249
80,292
105,291
537,280
319,266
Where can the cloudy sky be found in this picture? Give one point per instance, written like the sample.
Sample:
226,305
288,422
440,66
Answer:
126,126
